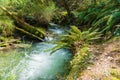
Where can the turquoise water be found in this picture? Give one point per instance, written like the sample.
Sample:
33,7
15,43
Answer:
39,64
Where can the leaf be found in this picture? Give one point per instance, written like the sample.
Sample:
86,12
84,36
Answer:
75,29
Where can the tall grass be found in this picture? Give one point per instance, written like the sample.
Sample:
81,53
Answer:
8,60
38,9
6,26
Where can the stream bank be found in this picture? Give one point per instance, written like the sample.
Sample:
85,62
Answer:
106,62
39,64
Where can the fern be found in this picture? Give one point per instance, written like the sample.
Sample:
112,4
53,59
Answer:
76,38
103,18
75,30
113,19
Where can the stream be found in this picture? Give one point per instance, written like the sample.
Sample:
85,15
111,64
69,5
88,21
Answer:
39,64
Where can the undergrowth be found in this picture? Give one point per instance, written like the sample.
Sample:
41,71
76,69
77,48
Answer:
8,60
80,61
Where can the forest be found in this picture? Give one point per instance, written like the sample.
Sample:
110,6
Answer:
59,39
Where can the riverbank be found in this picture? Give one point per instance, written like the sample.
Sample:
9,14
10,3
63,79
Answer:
105,59
11,53
10,43
106,62
59,31
8,61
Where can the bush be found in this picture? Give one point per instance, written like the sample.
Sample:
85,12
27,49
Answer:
6,26
103,17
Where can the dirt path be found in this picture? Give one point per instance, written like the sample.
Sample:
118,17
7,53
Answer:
106,65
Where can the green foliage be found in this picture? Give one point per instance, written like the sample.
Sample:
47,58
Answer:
103,17
11,77
1,28
99,16
117,31
25,27
8,60
41,10
6,26
2,38
78,42
76,39
115,73
79,62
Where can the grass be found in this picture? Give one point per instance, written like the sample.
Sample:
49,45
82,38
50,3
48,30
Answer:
8,60
6,25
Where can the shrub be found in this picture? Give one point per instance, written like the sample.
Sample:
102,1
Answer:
6,26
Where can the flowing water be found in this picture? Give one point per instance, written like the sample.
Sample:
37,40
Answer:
39,64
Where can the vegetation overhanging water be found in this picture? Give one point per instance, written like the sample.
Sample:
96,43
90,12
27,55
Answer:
38,62
91,23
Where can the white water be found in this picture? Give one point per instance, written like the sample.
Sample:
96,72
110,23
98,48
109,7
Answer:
40,65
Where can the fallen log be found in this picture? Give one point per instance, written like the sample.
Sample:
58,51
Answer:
25,27
32,35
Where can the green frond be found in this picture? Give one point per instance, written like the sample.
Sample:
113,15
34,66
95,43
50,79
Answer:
59,46
113,18
76,38
75,29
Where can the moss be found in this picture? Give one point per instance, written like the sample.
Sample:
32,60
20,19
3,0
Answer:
114,78
79,62
2,39
3,44
115,73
